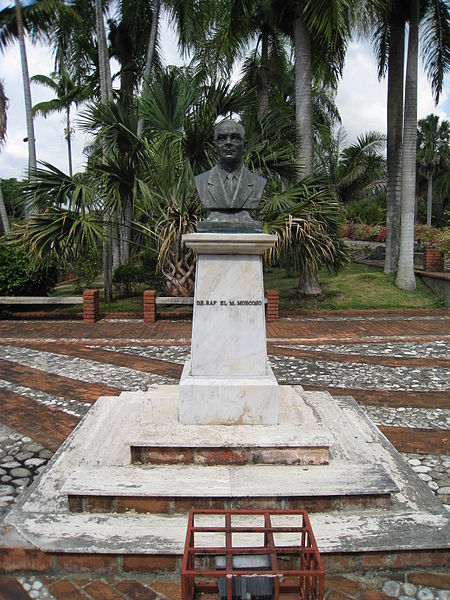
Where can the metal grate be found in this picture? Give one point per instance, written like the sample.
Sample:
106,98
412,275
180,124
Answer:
251,555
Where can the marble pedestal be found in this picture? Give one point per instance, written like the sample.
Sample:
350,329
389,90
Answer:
228,379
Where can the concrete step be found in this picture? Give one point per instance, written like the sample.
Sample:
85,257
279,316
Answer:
164,535
172,489
416,525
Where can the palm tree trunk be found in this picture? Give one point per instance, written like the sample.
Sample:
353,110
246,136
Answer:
150,54
405,274
106,94
308,284
263,79
394,143
126,233
4,214
69,141
27,96
303,95
117,259
429,198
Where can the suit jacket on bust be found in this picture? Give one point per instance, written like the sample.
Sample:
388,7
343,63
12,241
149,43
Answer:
213,194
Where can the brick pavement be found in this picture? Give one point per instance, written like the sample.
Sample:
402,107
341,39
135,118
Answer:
50,425
147,588
72,338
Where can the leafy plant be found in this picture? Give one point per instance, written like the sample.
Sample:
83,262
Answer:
128,275
442,239
20,276
425,233
308,220
368,210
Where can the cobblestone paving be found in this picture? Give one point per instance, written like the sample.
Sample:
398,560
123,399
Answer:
68,405
356,375
435,349
427,418
82,369
22,458
176,354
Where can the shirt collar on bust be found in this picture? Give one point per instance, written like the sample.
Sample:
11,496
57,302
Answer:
230,174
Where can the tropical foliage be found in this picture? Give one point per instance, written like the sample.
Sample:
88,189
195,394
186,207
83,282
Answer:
153,133
433,154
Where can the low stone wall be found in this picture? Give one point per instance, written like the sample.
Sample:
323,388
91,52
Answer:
439,283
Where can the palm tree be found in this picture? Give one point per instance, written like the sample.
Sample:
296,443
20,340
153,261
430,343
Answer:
320,30
433,152
27,95
321,33
106,95
389,41
307,219
244,24
37,17
405,273
66,218
3,122
67,93
355,171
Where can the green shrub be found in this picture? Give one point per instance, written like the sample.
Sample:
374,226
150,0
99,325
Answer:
22,276
88,265
367,211
128,275
148,259
442,239
425,233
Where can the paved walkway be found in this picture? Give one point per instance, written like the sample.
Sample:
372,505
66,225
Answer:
397,366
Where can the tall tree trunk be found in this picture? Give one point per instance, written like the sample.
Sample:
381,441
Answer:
27,96
429,197
308,284
126,233
303,95
106,94
150,54
4,214
263,77
117,259
69,141
394,143
405,273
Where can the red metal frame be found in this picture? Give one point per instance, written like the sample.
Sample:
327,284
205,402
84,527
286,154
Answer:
304,575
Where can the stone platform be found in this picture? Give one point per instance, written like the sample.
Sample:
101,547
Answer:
324,455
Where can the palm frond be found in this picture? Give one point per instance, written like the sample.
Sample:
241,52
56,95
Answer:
59,232
435,43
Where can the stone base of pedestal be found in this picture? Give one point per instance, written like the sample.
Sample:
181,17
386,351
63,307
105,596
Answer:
228,401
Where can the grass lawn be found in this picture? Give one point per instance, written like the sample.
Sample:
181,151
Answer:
356,287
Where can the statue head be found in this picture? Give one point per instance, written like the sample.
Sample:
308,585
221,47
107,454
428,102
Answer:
230,144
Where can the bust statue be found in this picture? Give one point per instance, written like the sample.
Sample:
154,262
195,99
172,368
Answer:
229,189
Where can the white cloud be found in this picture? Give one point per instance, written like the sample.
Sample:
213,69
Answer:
361,98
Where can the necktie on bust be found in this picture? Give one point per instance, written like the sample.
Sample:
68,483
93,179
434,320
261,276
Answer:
230,184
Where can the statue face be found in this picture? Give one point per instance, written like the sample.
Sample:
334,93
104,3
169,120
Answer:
230,144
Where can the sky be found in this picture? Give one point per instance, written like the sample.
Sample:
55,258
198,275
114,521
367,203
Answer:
361,100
